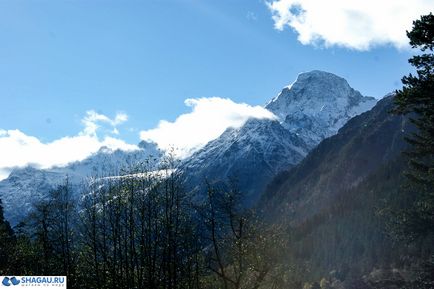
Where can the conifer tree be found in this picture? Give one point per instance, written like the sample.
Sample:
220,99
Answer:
416,99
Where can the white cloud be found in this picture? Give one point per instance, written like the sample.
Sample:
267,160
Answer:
18,149
353,24
92,118
208,119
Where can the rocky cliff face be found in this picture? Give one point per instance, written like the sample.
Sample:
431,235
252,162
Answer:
317,104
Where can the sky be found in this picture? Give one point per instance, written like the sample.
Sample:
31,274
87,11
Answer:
80,74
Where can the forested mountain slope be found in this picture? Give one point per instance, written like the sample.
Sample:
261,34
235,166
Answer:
334,204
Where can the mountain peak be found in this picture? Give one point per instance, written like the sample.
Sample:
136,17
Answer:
317,104
315,85
320,78
318,73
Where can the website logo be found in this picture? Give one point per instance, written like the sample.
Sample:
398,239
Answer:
8,281
40,282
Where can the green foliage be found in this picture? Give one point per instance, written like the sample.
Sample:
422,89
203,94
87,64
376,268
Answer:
417,99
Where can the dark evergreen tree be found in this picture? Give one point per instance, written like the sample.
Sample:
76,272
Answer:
417,99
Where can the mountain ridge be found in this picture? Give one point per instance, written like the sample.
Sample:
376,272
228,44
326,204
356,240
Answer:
342,166
334,203
314,107
25,186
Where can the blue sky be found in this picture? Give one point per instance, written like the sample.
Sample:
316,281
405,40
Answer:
61,59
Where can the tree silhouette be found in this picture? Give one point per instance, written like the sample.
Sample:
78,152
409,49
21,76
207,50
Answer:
416,99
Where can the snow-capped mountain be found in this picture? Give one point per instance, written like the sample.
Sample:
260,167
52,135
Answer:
251,155
313,108
317,104
25,186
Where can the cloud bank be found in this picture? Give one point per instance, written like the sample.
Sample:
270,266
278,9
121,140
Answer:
354,24
18,149
209,118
